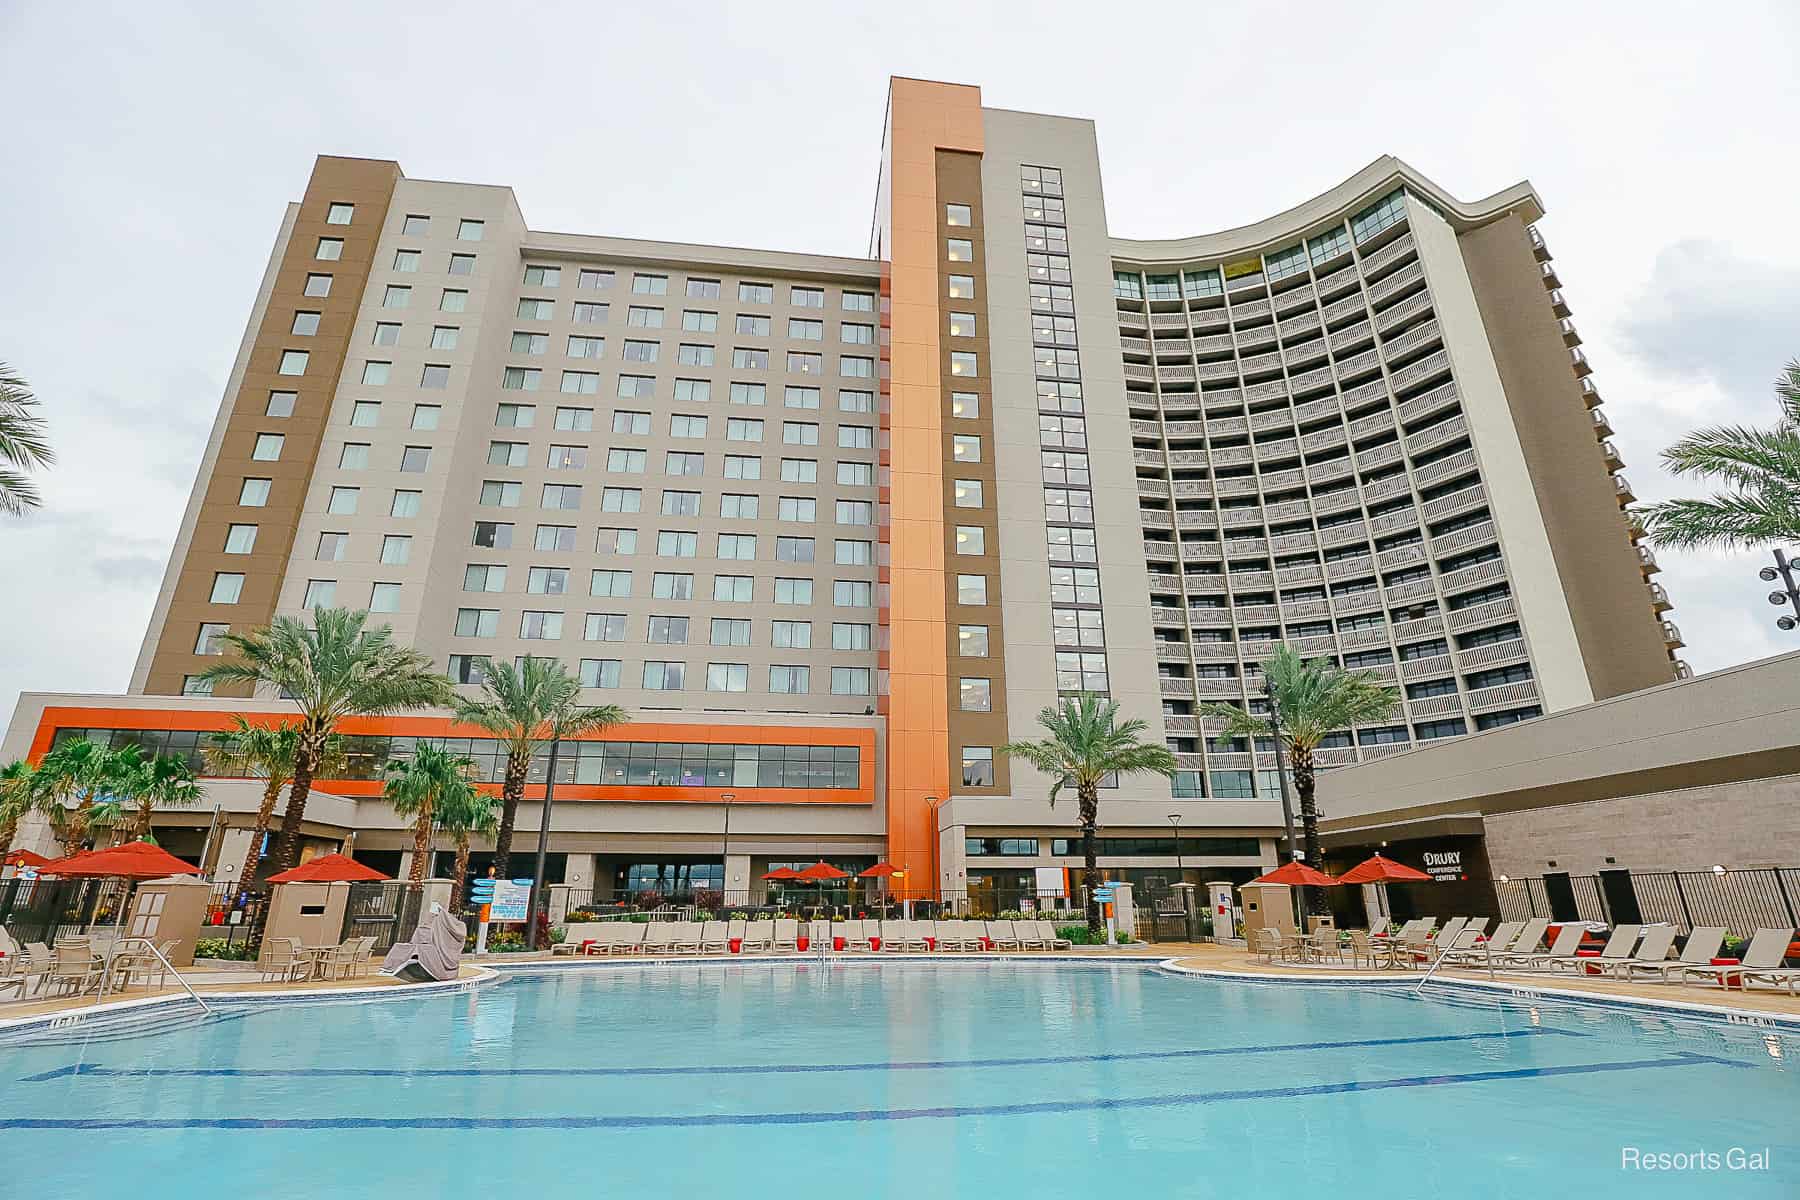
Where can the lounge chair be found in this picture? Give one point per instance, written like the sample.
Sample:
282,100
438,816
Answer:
787,935
898,936
715,937
1003,936
1653,950
1528,940
659,938
856,934
1701,947
1047,935
1029,937
1568,940
574,935
1619,946
688,936
819,937
621,937
1763,956
759,937
949,936
1502,940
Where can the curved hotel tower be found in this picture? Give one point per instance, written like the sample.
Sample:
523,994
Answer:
834,529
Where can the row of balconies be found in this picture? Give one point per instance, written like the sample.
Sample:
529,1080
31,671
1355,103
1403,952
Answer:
1441,546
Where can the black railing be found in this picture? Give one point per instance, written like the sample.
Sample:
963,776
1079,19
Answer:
1740,900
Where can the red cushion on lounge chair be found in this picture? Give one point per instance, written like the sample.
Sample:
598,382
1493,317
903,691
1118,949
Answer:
586,942
1587,954
1725,962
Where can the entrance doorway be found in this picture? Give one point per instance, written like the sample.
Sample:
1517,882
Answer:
1621,897
1560,894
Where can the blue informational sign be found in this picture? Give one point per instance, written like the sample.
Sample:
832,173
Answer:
512,898
481,891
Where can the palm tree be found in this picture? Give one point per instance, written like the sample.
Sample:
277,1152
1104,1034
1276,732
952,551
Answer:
462,812
24,444
15,799
334,668
70,787
268,752
142,785
1087,743
1313,699
418,786
1759,470
527,708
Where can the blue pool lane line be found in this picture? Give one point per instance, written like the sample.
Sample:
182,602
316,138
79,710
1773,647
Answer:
854,1116
101,1071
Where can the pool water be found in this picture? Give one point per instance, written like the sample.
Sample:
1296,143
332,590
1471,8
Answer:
910,1079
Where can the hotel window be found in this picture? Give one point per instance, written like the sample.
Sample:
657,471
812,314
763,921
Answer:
588,312
733,589
320,593
562,496
958,214
959,249
293,362
415,224
577,420
852,593
727,677
962,287
694,320
793,549
629,421
329,249
802,330
444,337
856,474
664,676
632,387
971,589
799,433
622,500
750,359
703,289
740,429
365,414
729,631
851,635
405,503
594,280
615,541
682,462
856,437
477,622
539,626
268,447
580,383
800,397
740,546
396,549
462,264
753,394
971,539
790,681
650,285
434,375
468,231
499,494
682,425
859,302
543,276
850,681
530,343
240,539
974,694
384,597
281,404
962,324
643,317
680,504
600,672
799,470
855,512
209,640
354,456
853,367
753,325
1074,585
554,537
469,668
688,354
547,581
963,364
966,493
965,448
797,508
567,458
790,635
604,627
1378,216
453,300
396,296
806,297
1428,730
793,591
849,552
978,766
972,641
339,214
672,585
1080,672
415,459
855,401
609,583
738,506
672,543
306,324
586,347
508,454
406,261
342,501
1085,627
965,405
533,309
756,293
317,286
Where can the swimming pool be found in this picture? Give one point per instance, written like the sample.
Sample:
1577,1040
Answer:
912,1079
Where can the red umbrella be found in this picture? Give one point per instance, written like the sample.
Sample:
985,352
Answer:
1382,870
879,870
1297,874
134,860
821,871
328,868
23,858
782,873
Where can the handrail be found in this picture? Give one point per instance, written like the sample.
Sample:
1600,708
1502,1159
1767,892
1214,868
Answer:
105,975
1487,950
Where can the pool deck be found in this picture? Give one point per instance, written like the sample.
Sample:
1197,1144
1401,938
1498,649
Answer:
1224,961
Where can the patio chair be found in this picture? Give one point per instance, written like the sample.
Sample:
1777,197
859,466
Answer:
1654,949
856,934
1445,938
1763,956
1361,949
574,935
1003,936
36,965
75,967
1028,935
734,932
715,937
1269,944
1619,946
659,937
759,937
285,963
1502,940
341,961
787,936
819,935
1701,947
1047,935
628,939
688,935
1568,940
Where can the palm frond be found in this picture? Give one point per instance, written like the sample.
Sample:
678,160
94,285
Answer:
1723,521
24,444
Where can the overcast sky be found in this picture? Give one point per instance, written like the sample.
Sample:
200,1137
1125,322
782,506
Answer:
151,147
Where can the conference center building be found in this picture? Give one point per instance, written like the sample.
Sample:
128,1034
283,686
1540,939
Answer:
833,530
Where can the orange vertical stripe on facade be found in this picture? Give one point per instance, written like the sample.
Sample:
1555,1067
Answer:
923,118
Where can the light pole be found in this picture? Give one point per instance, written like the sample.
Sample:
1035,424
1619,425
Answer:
543,846
725,852
932,804
1790,594
1287,802
1175,820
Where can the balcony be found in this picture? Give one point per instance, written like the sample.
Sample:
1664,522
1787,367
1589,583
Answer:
1506,695
1611,453
1602,427
1570,338
1622,487
1455,502
1338,309
1579,361
1135,346
1151,518
1482,614
1558,305
1152,487
1429,366
1158,551
1177,688
1450,467
1433,436
1590,392
1434,706
1148,458
1660,598
1141,372
1174,374
1172,348
1399,247
1682,670
1396,283
1409,307
1538,249
1225,426
1419,335
1647,560
1548,272
1464,539
1425,668
1171,652
1494,655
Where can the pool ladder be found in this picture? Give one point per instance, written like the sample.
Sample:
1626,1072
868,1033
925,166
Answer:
1487,953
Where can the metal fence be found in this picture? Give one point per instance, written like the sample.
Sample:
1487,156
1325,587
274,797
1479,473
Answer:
1741,900
387,911
236,915
42,910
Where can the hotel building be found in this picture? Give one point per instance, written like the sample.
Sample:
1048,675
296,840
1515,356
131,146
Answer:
833,529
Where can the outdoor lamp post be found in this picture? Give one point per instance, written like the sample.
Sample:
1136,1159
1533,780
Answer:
1789,595
932,804
725,852
1287,801
1175,820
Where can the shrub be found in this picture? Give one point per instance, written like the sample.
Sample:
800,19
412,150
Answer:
709,899
224,949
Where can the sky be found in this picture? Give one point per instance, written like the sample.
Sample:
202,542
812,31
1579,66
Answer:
152,148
